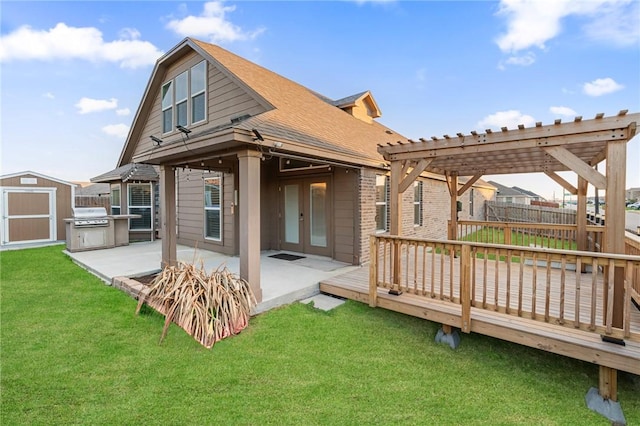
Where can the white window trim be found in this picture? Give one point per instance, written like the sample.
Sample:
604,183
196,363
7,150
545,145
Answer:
189,100
129,206
419,203
119,205
213,208
385,203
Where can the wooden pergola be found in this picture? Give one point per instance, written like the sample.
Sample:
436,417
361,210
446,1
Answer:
577,146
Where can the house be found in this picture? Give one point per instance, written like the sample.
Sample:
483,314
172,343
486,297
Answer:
250,160
133,189
633,194
33,208
514,194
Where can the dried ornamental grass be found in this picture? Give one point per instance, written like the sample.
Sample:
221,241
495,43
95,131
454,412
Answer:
207,307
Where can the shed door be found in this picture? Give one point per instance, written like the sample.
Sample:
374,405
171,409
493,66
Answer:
28,215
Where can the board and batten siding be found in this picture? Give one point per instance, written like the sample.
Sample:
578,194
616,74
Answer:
225,100
190,211
63,197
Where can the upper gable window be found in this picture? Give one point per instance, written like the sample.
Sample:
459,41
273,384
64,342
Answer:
167,107
184,98
198,79
182,86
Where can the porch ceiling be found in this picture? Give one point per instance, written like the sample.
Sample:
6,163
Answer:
549,148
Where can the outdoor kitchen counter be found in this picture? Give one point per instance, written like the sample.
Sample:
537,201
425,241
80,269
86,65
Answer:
121,228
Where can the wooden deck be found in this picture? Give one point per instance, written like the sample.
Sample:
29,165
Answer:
530,300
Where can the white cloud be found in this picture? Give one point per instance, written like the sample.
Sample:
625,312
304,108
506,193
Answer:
509,119
88,105
118,130
123,111
48,95
601,86
561,110
520,60
531,23
212,24
86,43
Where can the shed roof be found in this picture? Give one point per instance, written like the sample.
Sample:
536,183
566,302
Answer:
40,175
129,172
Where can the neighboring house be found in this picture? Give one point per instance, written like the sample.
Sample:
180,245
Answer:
633,194
92,195
33,208
515,195
250,160
133,189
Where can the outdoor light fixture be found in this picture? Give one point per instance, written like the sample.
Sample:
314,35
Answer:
158,141
183,129
258,135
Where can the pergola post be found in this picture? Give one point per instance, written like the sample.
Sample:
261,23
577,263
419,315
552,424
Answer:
168,209
452,183
614,232
581,215
395,209
249,205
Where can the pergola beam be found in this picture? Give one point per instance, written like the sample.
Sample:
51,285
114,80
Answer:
411,177
577,165
563,183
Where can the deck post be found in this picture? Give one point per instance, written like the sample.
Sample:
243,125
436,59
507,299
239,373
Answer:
373,271
396,223
465,287
608,383
452,183
168,209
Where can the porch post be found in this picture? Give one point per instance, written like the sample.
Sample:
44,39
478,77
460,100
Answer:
249,204
168,213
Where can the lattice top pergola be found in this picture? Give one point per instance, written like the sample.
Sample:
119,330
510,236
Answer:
576,146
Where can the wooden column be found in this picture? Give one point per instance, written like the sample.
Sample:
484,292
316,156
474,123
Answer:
249,205
614,234
168,214
452,182
581,215
395,208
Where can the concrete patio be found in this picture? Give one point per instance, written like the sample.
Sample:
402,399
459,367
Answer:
282,281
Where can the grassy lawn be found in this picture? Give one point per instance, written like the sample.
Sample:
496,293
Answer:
73,352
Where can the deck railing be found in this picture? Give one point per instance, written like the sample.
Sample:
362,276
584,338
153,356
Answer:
632,247
545,235
545,285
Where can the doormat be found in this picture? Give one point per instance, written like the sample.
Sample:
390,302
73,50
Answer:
287,256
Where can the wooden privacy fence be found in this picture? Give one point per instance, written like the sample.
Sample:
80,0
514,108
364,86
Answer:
93,201
544,285
513,212
543,235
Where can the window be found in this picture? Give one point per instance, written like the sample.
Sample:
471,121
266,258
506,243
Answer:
115,199
417,203
198,79
381,203
182,85
471,203
167,107
213,208
140,203
183,98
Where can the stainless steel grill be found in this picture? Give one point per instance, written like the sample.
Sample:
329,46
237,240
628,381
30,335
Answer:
90,217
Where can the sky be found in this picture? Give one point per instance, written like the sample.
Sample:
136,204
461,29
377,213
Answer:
72,74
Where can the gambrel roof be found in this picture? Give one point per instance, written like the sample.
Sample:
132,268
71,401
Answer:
293,115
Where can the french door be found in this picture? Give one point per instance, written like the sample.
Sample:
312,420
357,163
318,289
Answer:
305,216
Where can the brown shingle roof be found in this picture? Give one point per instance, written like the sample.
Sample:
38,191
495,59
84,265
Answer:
300,115
129,172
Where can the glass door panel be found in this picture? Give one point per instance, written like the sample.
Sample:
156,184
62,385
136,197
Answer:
292,214
318,216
